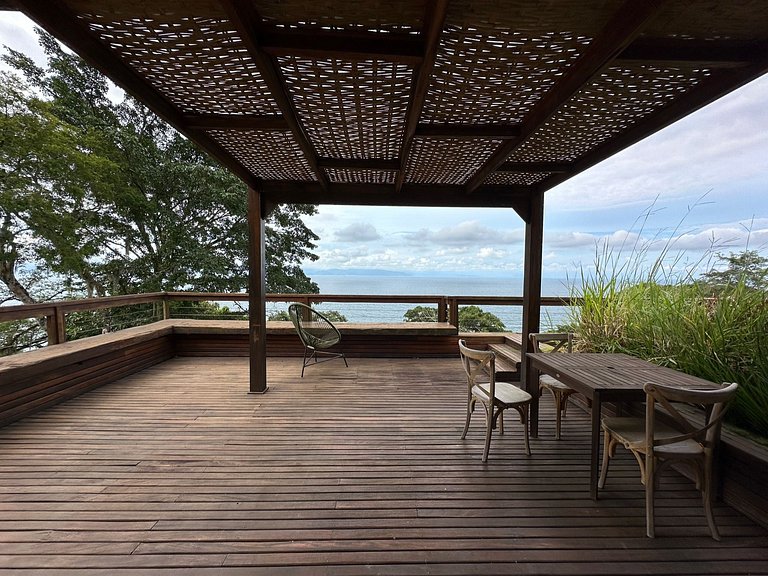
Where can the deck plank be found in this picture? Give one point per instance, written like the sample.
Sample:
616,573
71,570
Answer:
347,471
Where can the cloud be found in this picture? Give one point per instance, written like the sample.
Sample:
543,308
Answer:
357,232
570,240
467,233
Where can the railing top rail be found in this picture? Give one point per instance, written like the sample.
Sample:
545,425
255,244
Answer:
8,313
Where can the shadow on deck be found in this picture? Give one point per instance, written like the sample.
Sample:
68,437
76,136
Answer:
177,470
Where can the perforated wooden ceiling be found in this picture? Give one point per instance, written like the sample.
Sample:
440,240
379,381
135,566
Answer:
407,102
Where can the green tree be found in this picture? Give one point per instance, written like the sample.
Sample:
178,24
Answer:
422,314
474,319
112,200
747,267
471,318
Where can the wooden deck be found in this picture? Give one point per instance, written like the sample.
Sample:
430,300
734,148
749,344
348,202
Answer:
177,470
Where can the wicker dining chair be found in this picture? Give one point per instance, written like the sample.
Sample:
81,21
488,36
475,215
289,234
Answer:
656,444
496,397
317,333
554,342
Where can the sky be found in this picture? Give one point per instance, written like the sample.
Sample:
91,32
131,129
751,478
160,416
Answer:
693,190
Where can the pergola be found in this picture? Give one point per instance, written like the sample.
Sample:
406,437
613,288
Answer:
466,103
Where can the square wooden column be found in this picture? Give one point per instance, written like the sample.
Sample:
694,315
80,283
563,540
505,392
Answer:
534,234
257,290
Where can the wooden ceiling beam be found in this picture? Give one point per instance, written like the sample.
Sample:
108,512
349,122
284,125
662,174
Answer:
434,19
236,122
57,19
710,89
248,22
385,195
468,131
618,33
343,45
533,167
675,51
359,164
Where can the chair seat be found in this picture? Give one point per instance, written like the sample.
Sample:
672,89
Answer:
549,382
631,433
506,393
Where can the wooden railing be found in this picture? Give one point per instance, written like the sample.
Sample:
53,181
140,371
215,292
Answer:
54,314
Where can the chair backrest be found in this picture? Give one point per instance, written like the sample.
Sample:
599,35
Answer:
555,341
706,431
478,364
314,329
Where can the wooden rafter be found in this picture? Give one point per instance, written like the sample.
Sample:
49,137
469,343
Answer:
533,167
247,20
236,122
460,131
618,33
433,26
404,48
444,195
359,164
672,51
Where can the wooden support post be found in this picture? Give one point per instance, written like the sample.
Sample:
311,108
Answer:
55,327
257,290
534,233
442,310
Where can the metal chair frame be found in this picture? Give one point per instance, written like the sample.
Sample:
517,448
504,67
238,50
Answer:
317,333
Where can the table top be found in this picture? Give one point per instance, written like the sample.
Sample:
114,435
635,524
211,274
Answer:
618,372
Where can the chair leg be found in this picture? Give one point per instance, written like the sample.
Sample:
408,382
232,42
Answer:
470,409
650,489
608,446
304,362
345,359
707,495
558,397
524,419
488,430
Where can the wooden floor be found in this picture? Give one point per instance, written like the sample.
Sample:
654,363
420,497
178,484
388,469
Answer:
178,470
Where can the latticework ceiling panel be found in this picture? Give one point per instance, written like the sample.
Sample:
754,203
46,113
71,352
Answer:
447,161
619,99
268,155
350,109
516,178
427,101
495,76
348,176
199,64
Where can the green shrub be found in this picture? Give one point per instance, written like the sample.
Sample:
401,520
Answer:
679,324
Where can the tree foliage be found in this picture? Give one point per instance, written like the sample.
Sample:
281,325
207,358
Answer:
101,198
471,318
746,267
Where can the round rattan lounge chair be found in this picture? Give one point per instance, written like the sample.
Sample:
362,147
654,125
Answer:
317,333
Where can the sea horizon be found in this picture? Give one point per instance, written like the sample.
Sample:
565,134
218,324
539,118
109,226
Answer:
429,284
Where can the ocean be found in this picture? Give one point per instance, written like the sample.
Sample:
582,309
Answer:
511,316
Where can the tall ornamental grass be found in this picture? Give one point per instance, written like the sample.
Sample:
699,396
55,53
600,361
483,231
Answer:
673,321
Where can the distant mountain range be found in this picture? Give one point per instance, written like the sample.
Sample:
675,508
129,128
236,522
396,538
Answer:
354,272
390,273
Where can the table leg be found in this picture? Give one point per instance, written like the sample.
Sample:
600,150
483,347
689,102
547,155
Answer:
532,387
594,462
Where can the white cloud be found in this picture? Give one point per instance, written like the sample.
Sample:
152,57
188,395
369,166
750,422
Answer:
358,232
465,233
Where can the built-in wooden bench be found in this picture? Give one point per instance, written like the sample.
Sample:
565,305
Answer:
508,349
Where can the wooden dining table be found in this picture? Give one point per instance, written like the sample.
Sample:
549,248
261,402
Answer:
602,378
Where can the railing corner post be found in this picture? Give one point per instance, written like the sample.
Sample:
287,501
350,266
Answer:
54,326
